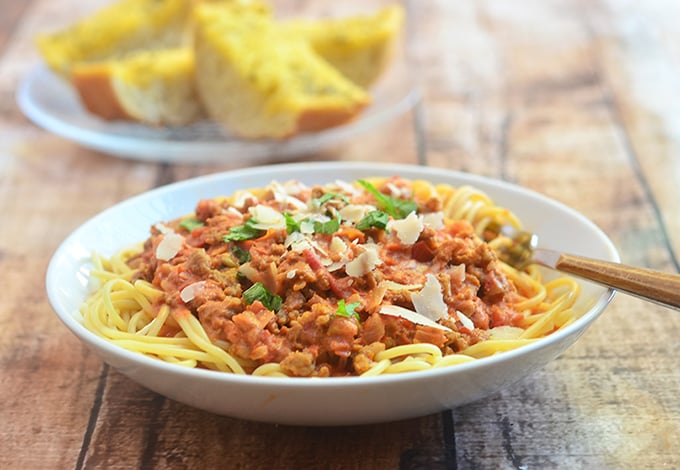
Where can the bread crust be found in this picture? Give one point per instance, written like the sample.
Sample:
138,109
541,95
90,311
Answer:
314,120
95,88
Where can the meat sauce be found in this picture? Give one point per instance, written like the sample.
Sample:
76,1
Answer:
329,276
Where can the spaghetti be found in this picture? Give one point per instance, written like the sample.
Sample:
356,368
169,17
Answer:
379,276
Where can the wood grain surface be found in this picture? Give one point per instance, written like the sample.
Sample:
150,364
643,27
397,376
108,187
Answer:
576,99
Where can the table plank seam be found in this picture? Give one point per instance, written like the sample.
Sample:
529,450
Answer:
633,158
94,417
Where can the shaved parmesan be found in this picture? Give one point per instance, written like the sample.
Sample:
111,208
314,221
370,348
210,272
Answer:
355,212
293,187
307,226
241,197
169,246
296,241
336,266
397,192
458,274
267,217
282,194
189,292
410,315
429,302
299,242
506,332
233,210
346,187
395,286
434,220
164,229
467,323
408,229
338,246
364,263
248,271
296,203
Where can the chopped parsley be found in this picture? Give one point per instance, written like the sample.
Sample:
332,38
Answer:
397,208
347,310
377,219
190,223
246,231
259,292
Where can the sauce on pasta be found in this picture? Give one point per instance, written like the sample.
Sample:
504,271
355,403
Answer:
382,275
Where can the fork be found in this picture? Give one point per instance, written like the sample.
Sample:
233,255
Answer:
655,286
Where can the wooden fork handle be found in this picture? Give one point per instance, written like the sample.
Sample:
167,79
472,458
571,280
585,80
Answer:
662,288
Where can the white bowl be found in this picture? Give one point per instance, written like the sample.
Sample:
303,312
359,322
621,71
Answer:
328,401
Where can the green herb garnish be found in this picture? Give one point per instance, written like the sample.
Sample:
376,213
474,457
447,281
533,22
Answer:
246,231
291,224
377,219
327,228
190,223
328,196
259,292
243,256
347,310
397,208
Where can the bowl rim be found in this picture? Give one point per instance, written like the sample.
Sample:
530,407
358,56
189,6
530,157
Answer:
576,327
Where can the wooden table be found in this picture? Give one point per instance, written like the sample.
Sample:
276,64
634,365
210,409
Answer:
576,99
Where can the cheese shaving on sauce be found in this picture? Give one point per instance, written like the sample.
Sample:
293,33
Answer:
189,292
169,246
364,263
467,323
338,246
164,229
241,197
355,212
395,286
267,217
429,302
506,332
410,315
408,229
434,220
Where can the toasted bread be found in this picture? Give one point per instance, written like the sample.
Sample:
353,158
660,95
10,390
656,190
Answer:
260,83
115,31
152,87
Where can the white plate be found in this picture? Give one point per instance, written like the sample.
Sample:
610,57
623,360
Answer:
328,401
52,104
